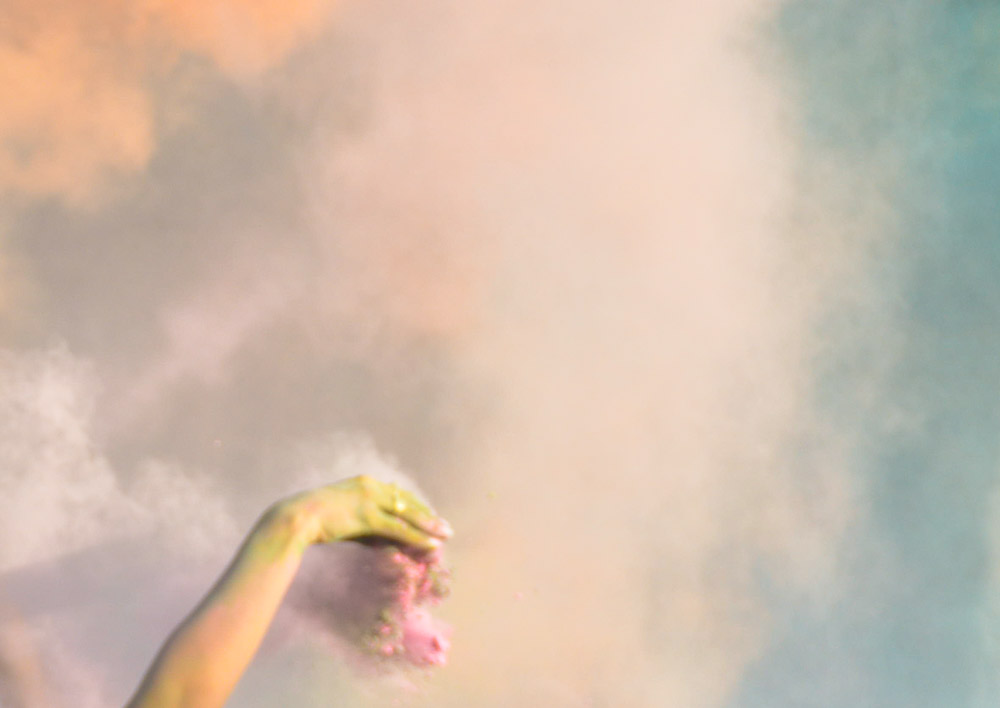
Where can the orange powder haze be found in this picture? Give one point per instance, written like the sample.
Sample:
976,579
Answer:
80,104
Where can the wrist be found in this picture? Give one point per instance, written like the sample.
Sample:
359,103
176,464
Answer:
294,519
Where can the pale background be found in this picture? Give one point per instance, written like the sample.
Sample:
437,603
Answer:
685,314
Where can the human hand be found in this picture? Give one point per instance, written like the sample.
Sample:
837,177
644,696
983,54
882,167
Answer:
363,507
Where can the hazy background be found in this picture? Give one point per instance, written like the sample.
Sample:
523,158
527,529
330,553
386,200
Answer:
685,315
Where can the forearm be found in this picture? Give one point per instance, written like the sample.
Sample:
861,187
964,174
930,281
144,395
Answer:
21,682
205,657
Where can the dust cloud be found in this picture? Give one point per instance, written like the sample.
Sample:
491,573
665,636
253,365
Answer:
91,89
543,254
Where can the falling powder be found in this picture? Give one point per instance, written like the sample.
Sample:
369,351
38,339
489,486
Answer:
406,631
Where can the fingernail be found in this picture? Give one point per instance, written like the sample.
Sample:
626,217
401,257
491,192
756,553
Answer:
445,529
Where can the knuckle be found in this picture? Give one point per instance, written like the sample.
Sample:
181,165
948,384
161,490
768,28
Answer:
366,486
370,515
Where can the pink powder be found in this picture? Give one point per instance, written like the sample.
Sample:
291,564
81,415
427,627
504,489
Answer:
406,630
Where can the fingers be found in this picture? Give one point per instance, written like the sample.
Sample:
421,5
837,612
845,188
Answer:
393,527
364,507
409,507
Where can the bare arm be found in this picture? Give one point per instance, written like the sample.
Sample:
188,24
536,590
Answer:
21,683
200,663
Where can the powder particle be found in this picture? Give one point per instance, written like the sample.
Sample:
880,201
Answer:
406,631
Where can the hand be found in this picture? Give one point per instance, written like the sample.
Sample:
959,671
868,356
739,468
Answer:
206,655
365,507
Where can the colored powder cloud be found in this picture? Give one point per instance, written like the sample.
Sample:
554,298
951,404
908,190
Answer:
84,97
549,255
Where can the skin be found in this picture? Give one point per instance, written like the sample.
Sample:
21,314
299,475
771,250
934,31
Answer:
201,662
21,684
